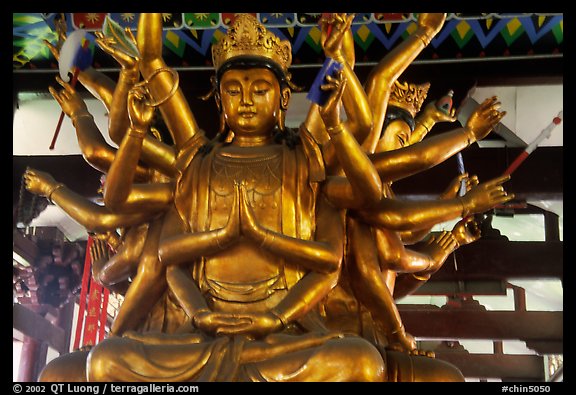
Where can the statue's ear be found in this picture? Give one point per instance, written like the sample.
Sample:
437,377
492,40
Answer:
285,98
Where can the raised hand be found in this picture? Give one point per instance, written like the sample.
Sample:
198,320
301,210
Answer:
330,111
432,112
249,226
71,103
231,232
439,246
333,44
139,110
452,191
485,196
108,45
467,230
431,22
484,118
39,182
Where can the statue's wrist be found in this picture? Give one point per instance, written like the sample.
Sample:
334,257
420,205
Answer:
137,131
129,75
424,36
268,238
465,209
334,131
470,136
80,114
283,320
52,190
197,313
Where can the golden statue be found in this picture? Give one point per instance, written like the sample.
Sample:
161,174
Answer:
244,235
376,254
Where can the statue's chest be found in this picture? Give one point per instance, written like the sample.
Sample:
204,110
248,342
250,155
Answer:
261,177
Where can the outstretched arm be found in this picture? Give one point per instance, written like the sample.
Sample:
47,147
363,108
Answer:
97,152
406,215
93,217
466,231
404,162
412,237
392,66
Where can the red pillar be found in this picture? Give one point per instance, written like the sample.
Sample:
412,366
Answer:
32,358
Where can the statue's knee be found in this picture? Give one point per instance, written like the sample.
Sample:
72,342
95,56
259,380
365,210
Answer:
68,367
404,367
366,360
101,360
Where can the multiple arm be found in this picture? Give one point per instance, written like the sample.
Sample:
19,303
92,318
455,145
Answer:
322,255
95,150
382,77
412,237
339,45
119,192
361,174
407,161
156,154
176,111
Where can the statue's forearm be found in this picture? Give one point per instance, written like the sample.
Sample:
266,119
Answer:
175,111
305,295
99,85
404,162
118,121
359,169
121,175
184,248
389,70
408,215
93,217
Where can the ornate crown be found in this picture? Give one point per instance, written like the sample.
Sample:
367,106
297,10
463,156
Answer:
248,37
408,96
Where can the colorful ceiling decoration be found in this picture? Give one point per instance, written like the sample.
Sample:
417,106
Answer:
189,36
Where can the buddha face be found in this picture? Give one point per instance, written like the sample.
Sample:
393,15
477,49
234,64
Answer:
250,101
396,135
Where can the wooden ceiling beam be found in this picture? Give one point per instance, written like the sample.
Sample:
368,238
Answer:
37,327
492,325
501,260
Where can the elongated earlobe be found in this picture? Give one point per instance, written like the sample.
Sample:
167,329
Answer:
285,99
222,126
281,120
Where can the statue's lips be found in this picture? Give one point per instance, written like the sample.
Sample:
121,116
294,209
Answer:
248,114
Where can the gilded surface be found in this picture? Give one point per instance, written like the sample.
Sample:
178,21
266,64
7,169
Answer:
264,254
